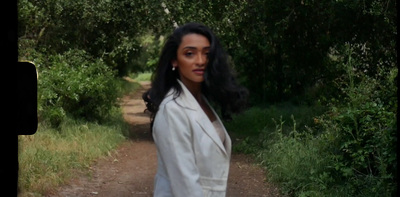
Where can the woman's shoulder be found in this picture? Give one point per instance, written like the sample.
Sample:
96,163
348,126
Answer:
169,100
170,109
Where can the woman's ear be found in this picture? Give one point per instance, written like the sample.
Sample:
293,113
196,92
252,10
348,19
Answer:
174,63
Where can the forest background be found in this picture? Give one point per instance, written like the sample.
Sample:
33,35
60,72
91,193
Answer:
322,77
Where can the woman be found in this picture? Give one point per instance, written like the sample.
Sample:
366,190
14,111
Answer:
193,147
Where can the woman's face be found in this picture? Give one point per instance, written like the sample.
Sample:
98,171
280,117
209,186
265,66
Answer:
192,58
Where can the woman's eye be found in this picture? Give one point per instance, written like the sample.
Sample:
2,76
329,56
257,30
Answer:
188,54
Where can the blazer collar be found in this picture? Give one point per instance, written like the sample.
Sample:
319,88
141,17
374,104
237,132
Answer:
205,123
187,100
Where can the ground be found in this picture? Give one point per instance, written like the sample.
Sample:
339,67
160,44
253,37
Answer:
130,169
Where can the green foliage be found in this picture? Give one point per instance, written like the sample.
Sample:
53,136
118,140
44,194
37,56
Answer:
76,85
150,49
297,161
145,76
80,48
50,158
285,146
339,54
104,29
350,150
288,44
284,47
364,125
248,126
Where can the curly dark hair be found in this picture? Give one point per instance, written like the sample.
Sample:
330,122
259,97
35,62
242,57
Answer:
220,86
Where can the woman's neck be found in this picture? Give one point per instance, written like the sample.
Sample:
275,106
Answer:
194,88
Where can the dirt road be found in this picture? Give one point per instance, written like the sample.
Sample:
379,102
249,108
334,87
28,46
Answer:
130,169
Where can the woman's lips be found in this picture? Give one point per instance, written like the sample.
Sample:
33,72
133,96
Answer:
199,71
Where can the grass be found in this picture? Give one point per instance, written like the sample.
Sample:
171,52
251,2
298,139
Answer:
52,156
143,76
248,126
299,149
48,158
277,136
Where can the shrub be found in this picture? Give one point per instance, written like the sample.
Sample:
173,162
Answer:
50,158
350,148
297,161
75,84
363,127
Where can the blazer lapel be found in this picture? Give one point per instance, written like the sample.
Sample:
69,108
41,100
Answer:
188,101
228,143
209,129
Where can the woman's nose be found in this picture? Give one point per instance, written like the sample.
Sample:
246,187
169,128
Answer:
201,59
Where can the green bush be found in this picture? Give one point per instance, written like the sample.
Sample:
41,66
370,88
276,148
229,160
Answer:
250,129
75,84
348,151
297,161
364,128
51,158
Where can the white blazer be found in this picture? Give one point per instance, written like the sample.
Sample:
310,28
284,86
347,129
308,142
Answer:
192,160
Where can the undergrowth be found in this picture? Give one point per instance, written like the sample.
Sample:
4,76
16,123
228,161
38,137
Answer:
347,149
53,155
50,157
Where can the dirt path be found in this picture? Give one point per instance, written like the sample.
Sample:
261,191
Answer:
130,169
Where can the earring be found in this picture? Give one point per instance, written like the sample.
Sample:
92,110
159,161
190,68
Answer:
173,68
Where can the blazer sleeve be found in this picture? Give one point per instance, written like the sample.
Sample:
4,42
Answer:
173,137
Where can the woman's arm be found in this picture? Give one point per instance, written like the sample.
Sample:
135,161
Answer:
172,135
